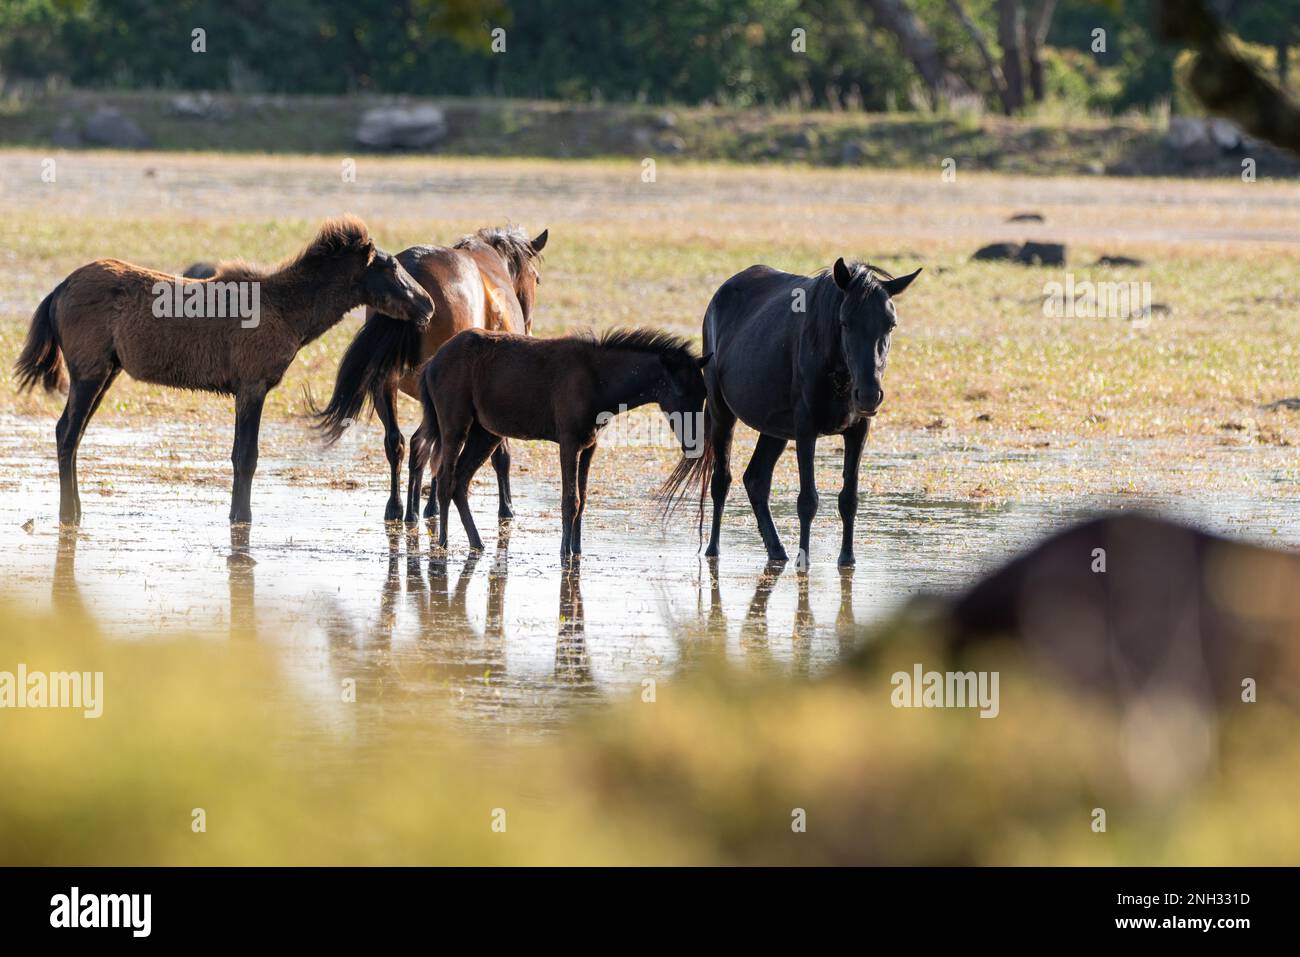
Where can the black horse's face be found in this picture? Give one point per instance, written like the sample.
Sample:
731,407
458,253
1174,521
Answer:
867,319
681,395
388,288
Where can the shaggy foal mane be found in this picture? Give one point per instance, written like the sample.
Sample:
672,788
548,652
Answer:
648,340
337,238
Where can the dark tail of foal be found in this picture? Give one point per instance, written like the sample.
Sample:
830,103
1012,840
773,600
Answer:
384,347
427,435
42,359
690,477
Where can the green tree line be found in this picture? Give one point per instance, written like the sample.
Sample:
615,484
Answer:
850,54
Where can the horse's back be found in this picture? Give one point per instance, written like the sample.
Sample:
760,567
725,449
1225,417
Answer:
751,327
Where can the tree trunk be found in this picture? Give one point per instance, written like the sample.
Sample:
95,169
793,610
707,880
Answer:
991,65
1038,37
1226,83
1011,31
1283,62
919,47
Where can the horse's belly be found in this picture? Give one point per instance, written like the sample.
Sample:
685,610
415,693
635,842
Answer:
760,403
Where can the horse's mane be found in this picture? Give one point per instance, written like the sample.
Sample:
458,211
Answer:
826,290
339,237
648,340
511,242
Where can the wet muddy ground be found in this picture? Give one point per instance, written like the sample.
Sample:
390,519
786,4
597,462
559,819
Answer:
508,638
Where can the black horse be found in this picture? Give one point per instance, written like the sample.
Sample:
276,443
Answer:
794,357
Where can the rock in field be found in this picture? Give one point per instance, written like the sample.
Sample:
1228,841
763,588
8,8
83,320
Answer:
402,128
109,126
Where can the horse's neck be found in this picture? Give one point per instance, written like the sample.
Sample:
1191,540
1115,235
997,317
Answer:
502,306
818,343
310,308
629,377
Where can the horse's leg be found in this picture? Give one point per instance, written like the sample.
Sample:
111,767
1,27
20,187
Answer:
431,507
584,467
853,441
722,426
758,485
569,453
501,462
84,396
452,440
805,446
248,419
384,398
477,448
76,451
420,444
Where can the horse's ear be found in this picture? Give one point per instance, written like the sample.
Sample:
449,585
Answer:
539,243
841,273
704,360
895,286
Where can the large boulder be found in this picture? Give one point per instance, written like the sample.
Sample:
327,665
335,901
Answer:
402,128
109,126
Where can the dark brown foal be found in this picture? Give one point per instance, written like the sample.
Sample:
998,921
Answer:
482,387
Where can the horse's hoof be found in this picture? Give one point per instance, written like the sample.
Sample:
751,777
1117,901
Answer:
847,560
393,512
505,513
712,551
777,555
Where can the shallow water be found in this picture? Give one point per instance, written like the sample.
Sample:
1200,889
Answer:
510,637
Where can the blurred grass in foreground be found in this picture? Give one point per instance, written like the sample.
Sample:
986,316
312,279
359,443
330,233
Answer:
711,772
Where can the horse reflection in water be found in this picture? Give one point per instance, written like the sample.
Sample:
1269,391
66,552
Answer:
754,630
452,652
65,593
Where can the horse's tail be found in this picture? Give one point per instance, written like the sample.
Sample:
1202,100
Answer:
383,348
691,474
42,357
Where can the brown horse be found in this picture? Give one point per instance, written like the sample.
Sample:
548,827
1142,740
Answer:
234,334
483,387
487,280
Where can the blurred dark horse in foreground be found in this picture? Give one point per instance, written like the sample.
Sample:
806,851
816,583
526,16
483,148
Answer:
794,357
1132,605
487,280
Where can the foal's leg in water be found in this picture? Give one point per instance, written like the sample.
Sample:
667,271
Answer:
722,426
501,463
758,485
477,448
84,396
584,466
853,442
569,453
420,445
385,402
452,440
805,446
431,506
248,419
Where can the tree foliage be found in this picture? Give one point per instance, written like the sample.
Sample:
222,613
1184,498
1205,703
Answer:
824,53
